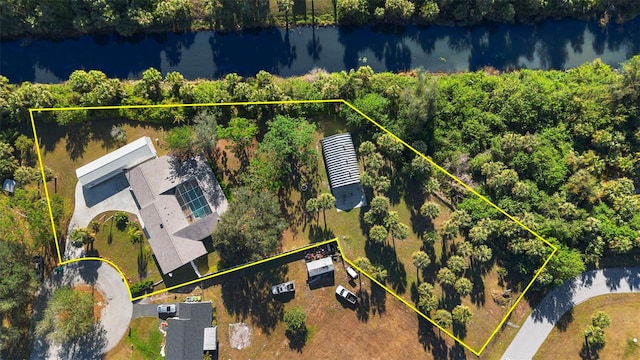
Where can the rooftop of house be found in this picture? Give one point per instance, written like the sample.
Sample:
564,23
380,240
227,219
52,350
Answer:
180,203
186,332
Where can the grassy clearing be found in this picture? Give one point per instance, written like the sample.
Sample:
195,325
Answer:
566,340
114,243
143,344
366,332
64,149
395,256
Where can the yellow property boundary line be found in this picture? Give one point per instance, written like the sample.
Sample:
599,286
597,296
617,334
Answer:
285,102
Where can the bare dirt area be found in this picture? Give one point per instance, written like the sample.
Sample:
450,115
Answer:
239,336
379,327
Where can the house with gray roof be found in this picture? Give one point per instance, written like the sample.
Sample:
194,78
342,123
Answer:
341,163
190,334
180,203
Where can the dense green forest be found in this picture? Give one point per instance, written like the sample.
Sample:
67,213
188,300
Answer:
69,17
557,149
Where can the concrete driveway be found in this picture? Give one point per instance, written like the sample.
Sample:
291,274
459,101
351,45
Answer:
573,292
144,310
114,320
111,195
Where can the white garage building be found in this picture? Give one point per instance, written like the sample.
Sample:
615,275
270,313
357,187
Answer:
115,162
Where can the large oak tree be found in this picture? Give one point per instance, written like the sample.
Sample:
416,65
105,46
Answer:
250,229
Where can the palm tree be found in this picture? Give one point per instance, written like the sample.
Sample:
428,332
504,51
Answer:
285,5
420,260
443,318
462,314
326,201
312,208
430,210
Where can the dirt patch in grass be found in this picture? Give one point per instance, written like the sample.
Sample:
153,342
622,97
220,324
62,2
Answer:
98,299
239,336
381,327
567,342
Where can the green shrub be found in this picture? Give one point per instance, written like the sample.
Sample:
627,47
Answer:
121,218
141,287
135,234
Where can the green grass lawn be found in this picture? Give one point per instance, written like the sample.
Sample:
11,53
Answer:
114,243
143,344
64,149
208,264
566,340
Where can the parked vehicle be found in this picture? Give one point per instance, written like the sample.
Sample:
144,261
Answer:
352,273
286,287
38,266
194,298
346,294
165,309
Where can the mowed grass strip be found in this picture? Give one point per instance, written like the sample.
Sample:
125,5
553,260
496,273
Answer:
566,340
143,344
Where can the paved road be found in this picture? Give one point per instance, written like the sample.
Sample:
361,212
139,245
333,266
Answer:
114,320
544,317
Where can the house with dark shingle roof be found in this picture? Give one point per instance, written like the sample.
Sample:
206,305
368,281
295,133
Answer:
190,333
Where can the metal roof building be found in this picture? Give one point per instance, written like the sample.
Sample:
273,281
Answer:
116,161
340,160
319,267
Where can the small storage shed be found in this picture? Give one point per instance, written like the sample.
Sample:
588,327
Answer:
210,342
9,186
115,162
319,267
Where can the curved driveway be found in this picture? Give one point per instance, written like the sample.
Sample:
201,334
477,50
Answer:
573,292
111,195
114,320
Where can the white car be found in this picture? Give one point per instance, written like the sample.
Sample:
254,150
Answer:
166,309
352,273
346,294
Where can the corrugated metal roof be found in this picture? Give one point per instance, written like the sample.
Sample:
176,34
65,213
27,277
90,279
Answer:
210,339
109,165
340,160
319,267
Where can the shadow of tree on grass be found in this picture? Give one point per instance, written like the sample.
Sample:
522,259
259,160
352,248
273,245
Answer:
250,296
297,339
385,255
364,305
89,346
